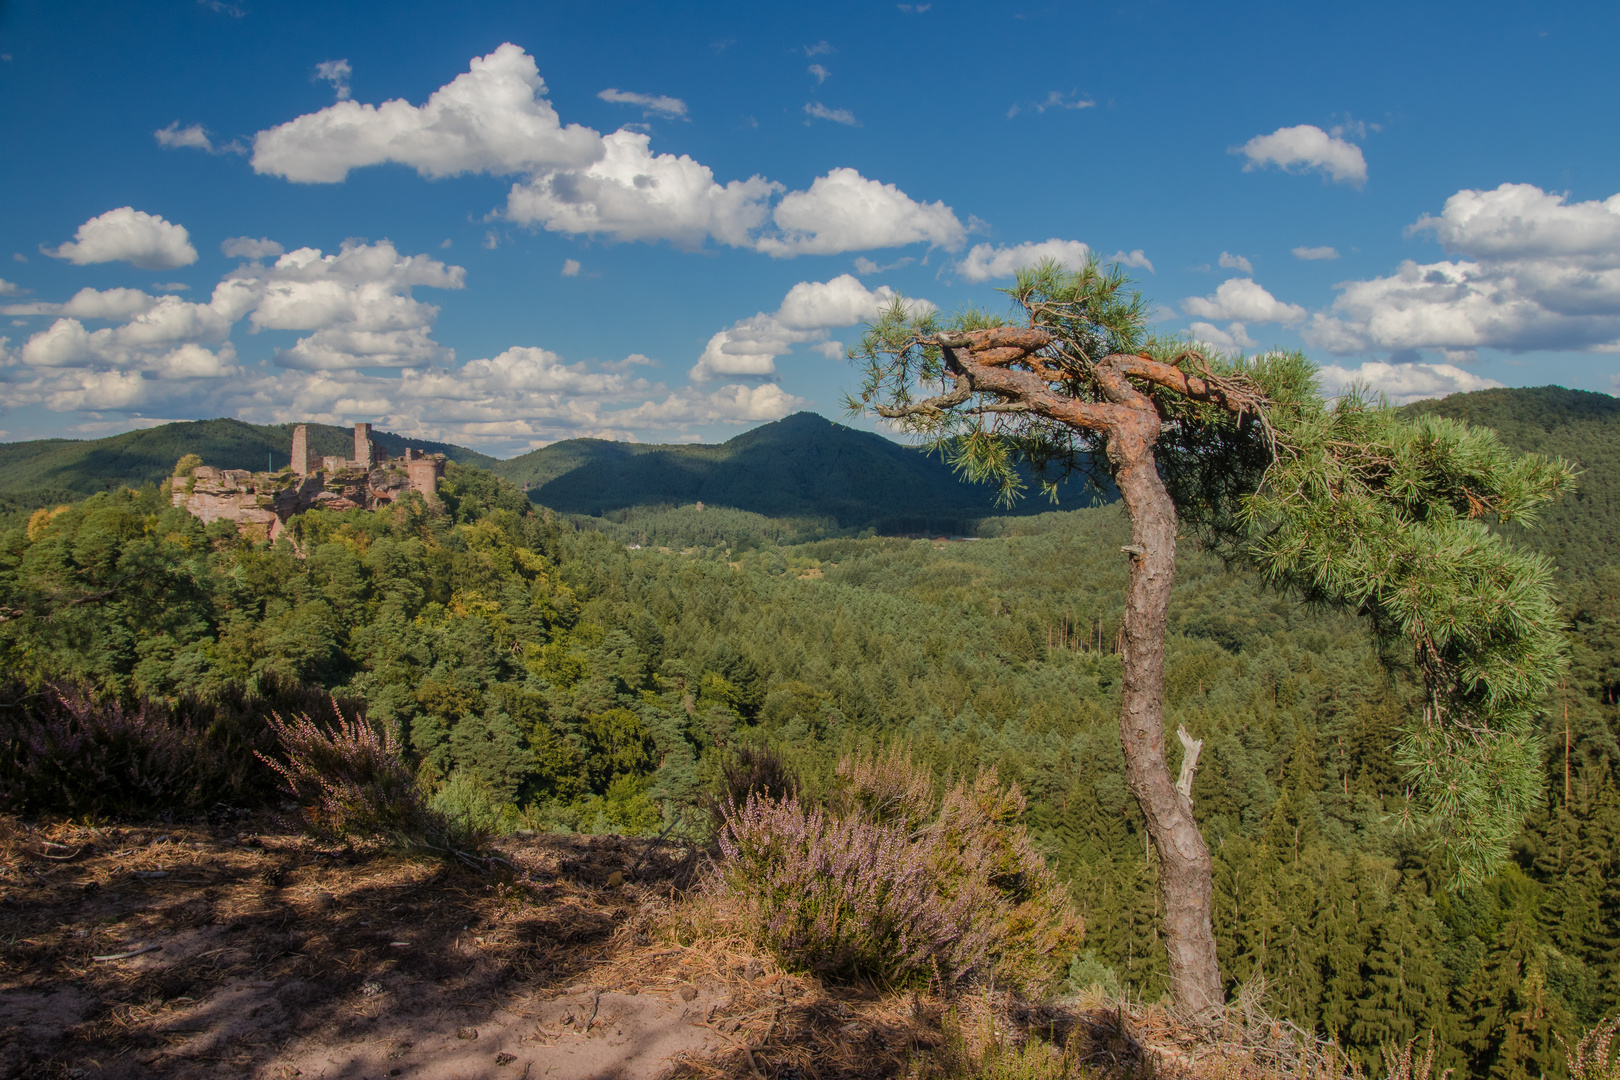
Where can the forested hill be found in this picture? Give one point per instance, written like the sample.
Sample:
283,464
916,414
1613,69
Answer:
1581,532
47,470
802,466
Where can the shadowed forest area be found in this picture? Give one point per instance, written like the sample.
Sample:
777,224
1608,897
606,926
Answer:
545,676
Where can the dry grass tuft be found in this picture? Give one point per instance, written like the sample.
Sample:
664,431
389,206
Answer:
795,1026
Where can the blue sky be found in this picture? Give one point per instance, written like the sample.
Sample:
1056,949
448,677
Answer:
507,224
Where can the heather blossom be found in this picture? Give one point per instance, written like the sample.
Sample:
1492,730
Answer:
890,880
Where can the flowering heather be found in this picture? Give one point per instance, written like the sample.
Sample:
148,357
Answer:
66,750
1596,1056
69,752
888,787
348,777
899,884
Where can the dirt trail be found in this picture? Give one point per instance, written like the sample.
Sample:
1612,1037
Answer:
270,956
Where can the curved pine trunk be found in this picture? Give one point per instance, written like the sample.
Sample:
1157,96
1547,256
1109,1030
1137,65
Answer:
1185,869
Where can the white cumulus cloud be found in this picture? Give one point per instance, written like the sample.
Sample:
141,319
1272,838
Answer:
1533,271
819,111
366,351
986,261
1054,99
245,247
337,73
358,304
1309,254
749,347
1520,221
195,137
165,336
1243,299
632,194
494,118
355,305
1229,261
132,236
1304,147
1402,383
107,304
844,211
1234,338
192,136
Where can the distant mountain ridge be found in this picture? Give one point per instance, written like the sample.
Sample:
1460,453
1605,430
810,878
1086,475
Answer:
805,466
801,466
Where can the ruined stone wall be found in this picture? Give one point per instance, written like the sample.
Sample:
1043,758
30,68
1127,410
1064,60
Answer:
261,504
424,473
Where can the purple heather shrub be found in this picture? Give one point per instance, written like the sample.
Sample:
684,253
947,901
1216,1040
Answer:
895,882
888,787
69,752
349,778
67,749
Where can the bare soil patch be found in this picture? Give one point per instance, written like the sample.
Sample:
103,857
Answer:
247,949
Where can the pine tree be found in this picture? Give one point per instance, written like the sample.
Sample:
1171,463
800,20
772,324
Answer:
1512,1015
1350,505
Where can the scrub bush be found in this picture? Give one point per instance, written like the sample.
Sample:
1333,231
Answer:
352,784
890,880
65,749
349,779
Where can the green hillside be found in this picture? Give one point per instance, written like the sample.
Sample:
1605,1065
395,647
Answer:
50,470
804,466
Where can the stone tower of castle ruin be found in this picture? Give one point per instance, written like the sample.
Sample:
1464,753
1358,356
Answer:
300,450
363,455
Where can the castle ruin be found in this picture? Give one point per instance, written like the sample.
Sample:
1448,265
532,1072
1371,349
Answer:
261,503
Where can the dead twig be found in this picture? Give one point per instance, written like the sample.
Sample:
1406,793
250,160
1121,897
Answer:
130,953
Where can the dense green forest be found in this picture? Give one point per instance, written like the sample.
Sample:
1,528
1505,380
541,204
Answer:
551,677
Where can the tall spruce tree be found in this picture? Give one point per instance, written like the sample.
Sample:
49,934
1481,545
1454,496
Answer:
1346,504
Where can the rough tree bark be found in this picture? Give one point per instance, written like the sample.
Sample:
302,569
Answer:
1186,874
979,363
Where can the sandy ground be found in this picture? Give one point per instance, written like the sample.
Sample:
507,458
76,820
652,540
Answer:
267,955
244,949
